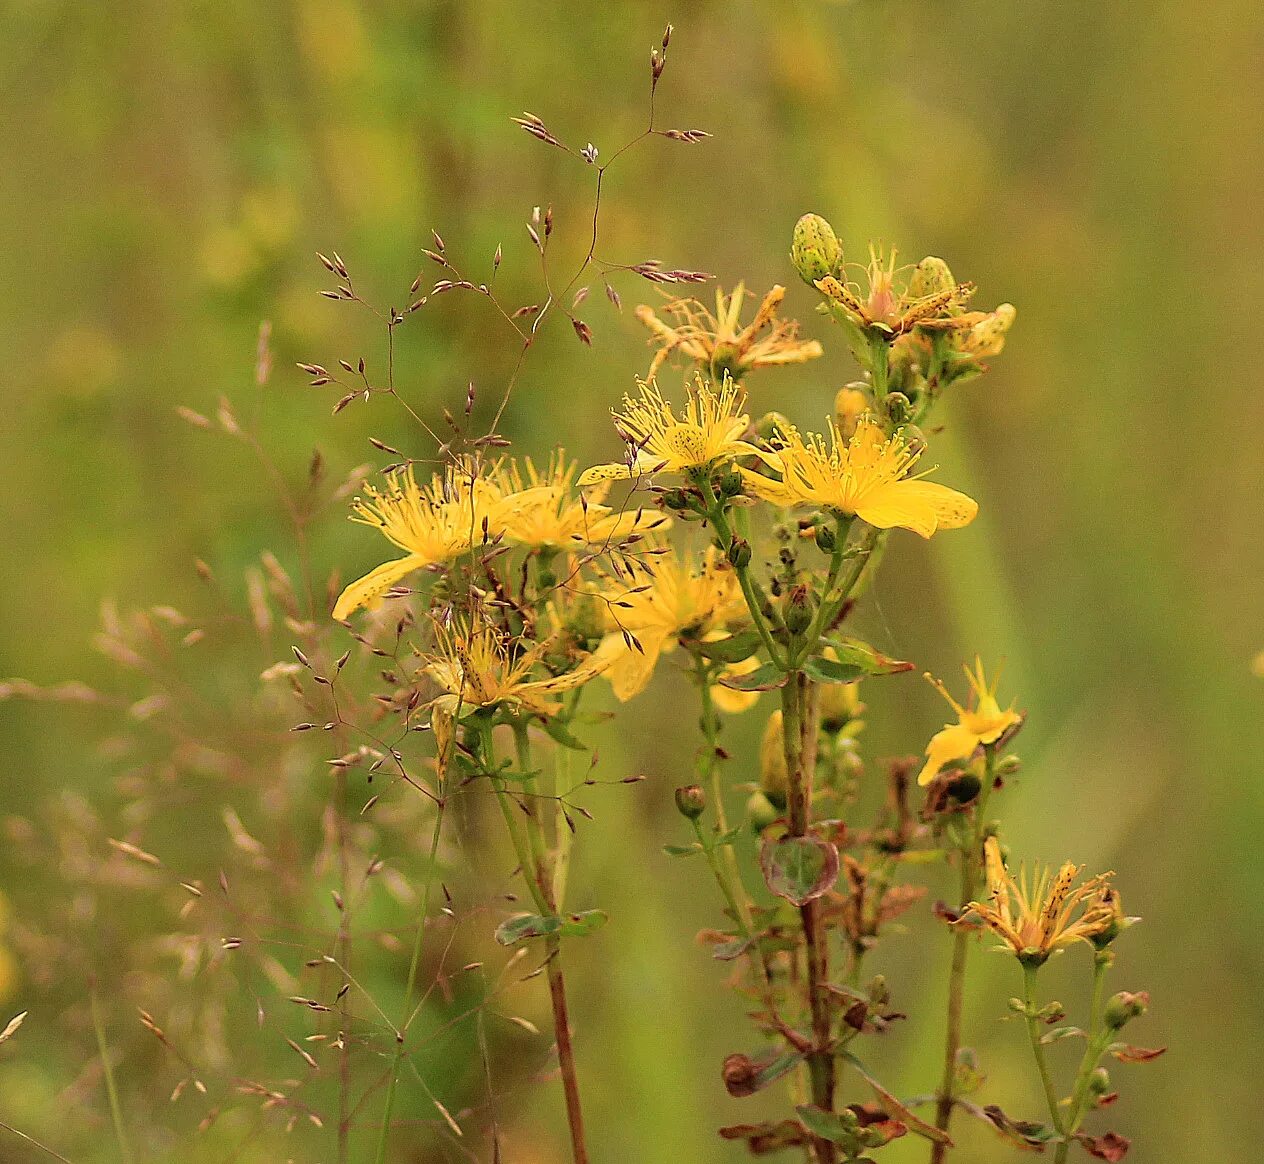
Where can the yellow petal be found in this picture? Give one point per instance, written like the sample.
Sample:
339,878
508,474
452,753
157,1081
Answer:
629,670
921,506
955,742
599,473
731,701
368,591
765,488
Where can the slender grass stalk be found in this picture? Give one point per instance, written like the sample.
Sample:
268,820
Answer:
410,988
111,1088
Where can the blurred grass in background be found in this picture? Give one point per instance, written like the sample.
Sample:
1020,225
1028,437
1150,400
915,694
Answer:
170,170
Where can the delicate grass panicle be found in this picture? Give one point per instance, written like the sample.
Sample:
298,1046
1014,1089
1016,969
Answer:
397,767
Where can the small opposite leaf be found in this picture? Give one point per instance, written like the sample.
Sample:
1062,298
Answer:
559,732
895,1108
1127,1053
689,850
1059,1033
764,678
732,649
799,868
531,925
857,653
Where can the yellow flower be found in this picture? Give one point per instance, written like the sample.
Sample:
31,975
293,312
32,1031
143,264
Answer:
543,512
707,433
476,666
1036,916
432,525
867,476
719,344
672,603
982,723
884,306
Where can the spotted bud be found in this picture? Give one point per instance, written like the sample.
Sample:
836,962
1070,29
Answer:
740,553
815,251
691,801
1124,1007
931,277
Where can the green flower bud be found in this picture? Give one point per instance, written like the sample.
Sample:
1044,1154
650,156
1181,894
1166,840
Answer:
730,484
1008,765
740,553
826,539
930,277
815,250
760,812
1124,1007
691,801
1099,1082
770,425
899,407
799,610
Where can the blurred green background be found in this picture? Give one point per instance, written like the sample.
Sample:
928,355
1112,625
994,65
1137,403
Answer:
169,170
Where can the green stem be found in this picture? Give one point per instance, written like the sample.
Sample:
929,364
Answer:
968,858
750,591
111,1090
538,876
1098,1039
800,724
1030,974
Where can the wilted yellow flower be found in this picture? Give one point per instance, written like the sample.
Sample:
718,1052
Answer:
432,524
674,601
544,513
867,476
1036,916
717,341
707,433
983,722
882,305
477,666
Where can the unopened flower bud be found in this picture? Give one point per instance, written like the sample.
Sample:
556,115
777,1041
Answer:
826,538
899,407
815,250
770,425
849,406
930,277
730,484
1124,1007
691,801
760,812
840,704
798,612
773,774
1008,765
676,499
740,553
1099,1082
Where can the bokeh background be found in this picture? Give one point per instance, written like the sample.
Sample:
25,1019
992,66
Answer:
170,170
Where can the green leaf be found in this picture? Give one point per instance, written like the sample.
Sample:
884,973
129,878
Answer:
1026,1135
1059,1033
799,868
688,850
558,731
523,926
766,677
857,653
828,671
733,649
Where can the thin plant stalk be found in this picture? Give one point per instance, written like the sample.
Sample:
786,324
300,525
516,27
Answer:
969,891
1030,973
